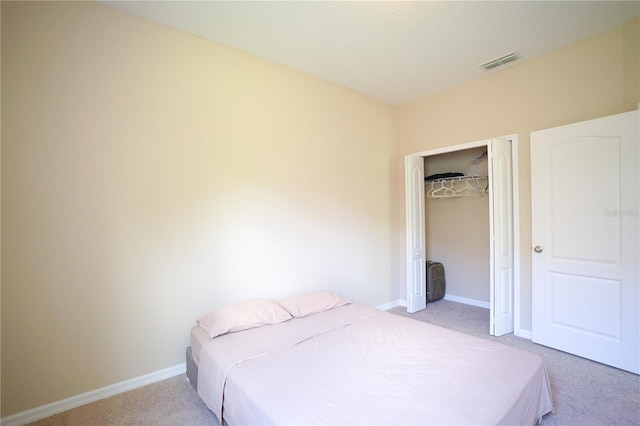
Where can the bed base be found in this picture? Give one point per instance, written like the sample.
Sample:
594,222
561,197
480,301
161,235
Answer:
192,369
192,374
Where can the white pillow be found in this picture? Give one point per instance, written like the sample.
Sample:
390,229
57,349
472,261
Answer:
312,303
242,316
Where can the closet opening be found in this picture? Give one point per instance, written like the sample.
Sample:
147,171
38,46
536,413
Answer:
457,222
464,215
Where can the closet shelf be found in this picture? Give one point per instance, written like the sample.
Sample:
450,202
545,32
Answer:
461,186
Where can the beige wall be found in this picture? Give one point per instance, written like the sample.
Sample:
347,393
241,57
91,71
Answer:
149,176
594,78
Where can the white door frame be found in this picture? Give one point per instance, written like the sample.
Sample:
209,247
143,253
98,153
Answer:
411,234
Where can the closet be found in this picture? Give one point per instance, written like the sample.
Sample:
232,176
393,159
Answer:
457,222
474,234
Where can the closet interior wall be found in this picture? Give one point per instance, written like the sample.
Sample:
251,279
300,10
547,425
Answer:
457,232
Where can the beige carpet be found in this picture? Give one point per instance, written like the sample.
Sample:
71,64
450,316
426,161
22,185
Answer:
584,392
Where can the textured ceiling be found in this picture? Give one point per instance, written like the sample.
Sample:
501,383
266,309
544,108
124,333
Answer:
392,50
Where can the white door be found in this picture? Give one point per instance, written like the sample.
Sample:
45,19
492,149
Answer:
416,253
502,237
584,189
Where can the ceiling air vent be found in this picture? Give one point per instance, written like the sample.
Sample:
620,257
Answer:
500,61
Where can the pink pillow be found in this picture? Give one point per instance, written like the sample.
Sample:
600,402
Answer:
242,316
312,303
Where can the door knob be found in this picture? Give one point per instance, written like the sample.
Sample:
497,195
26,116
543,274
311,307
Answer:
538,249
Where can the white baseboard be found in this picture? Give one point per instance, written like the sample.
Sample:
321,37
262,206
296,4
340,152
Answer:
525,334
390,305
466,301
43,411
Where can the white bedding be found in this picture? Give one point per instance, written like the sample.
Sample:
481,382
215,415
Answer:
199,338
358,365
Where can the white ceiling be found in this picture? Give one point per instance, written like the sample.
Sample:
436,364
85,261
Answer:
396,51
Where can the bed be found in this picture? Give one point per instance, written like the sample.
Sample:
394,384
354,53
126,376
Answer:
339,362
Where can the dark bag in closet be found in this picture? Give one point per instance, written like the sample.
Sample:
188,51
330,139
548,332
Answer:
438,176
435,281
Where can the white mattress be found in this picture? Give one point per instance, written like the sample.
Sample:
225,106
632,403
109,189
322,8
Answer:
358,365
199,337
